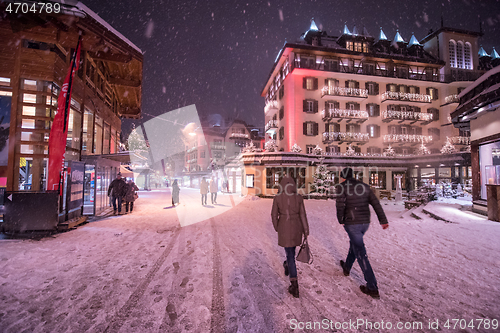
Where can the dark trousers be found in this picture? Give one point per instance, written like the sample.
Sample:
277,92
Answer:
290,260
203,199
357,251
131,206
114,200
214,197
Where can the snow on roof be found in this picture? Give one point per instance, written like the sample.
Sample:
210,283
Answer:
313,25
482,52
355,31
382,36
494,54
346,30
105,24
365,32
413,41
483,78
398,38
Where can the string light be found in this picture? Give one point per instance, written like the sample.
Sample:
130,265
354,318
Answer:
406,115
345,136
341,113
399,96
407,138
339,91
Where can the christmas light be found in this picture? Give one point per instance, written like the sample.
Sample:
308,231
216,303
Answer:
345,136
459,140
448,148
296,148
406,115
239,135
407,138
271,124
399,96
350,151
339,91
270,145
341,113
271,105
451,99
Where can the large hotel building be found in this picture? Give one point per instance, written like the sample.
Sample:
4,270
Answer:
379,105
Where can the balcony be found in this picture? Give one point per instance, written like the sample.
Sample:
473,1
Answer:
460,140
271,125
406,97
451,99
345,137
271,106
239,136
347,92
217,146
407,138
411,116
361,116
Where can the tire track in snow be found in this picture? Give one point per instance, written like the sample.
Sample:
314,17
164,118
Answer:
217,322
124,312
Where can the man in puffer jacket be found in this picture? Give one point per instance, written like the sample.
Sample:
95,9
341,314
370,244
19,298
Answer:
353,211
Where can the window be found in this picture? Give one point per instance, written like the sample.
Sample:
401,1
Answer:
373,131
352,84
310,128
307,61
202,154
332,127
452,50
435,113
372,88
282,112
467,57
309,149
365,48
330,105
281,92
391,87
282,133
331,65
310,105
374,150
433,92
393,130
402,89
333,149
358,47
373,110
404,130
349,45
310,83
249,180
460,55
413,90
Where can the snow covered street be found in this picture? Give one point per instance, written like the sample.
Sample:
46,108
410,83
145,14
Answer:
222,272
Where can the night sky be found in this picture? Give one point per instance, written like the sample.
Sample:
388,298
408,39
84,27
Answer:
218,54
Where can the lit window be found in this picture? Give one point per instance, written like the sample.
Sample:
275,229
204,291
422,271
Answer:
310,128
358,47
452,51
460,55
372,131
467,57
310,106
349,45
309,83
404,130
365,48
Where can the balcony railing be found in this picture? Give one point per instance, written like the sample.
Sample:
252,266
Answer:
271,105
341,113
411,138
345,136
271,124
239,135
217,146
389,115
348,92
460,140
399,96
451,99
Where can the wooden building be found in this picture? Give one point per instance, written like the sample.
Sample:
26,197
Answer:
35,53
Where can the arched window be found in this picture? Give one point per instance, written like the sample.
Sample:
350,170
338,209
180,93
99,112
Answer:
460,55
467,57
453,53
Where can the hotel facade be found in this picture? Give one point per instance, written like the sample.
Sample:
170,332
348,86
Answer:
381,106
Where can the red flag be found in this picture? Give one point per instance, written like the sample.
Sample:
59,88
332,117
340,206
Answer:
59,130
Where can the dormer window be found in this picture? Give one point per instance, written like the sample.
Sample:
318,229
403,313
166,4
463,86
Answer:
358,47
365,48
349,45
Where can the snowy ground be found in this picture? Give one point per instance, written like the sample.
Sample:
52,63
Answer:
144,273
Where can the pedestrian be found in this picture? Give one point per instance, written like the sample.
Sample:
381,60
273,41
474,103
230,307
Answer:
353,211
130,195
117,190
290,221
175,193
214,188
204,191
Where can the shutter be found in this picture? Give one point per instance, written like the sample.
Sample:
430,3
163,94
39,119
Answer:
347,83
326,106
357,107
436,114
366,85
427,92
377,110
436,93
388,87
326,82
337,127
304,128
368,128
315,86
357,85
327,127
315,128
304,82
377,131
376,89
336,105
419,130
399,130
304,105
315,107
418,90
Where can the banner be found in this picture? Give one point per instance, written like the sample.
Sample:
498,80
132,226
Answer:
59,130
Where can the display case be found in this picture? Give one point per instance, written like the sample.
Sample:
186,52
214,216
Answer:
492,174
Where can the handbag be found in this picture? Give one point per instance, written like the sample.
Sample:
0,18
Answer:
305,254
136,195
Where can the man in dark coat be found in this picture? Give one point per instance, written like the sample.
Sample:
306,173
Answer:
117,189
290,221
353,211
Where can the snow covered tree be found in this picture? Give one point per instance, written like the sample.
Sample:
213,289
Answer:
271,145
350,151
389,151
317,150
249,148
321,182
296,148
448,148
422,150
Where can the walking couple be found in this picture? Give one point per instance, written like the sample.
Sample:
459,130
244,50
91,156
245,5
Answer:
353,212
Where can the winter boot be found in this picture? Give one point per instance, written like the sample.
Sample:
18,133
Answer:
344,270
293,289
370,292
285,265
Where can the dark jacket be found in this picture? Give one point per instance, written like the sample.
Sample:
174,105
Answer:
353,200
130,195
289,215
119,187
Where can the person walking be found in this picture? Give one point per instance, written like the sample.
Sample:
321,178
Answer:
175,193
204,191
130,195
214,188
353,211
290,221
117,190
